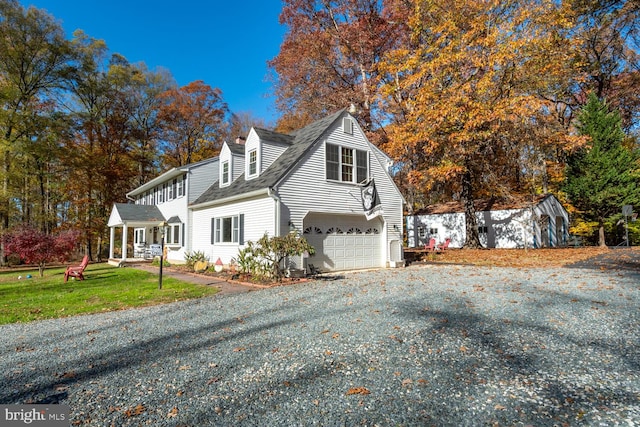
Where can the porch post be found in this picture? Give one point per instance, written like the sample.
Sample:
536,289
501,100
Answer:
124,241
112,237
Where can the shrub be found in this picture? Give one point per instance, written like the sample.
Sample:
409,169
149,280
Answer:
264,258
36,247
250,262
156,262
192,257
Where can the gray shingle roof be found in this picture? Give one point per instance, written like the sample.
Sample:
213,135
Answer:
483,205
236,148
139,213
270,135
301,141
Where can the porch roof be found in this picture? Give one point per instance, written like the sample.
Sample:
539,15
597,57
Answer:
134,215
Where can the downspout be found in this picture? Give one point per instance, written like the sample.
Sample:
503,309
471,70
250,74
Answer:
274,195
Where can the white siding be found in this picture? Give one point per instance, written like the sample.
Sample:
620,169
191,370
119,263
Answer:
439,227
225,156
306,189
551,228
509,228
259,218
252,143
269,153
237,167
200,178
177,207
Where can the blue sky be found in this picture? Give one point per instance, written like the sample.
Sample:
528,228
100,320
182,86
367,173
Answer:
224,43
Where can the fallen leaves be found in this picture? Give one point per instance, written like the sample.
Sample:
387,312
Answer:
550,257
358,390
137,410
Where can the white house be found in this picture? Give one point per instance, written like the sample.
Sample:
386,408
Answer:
541,222
164,199
318,181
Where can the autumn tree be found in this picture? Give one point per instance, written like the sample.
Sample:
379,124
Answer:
601,56
605,175
193,123
107,108
33,58
139,95
36,247
329,58
240,123
463,97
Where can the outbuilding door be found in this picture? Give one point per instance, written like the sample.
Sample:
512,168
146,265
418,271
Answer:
344,242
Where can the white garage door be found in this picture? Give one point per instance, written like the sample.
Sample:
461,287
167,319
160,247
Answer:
344,242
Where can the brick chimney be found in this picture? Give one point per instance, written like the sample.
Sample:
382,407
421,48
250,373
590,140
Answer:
241,140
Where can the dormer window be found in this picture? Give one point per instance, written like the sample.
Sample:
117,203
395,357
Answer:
225,173
253,162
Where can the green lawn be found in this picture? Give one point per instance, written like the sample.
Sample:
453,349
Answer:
106,288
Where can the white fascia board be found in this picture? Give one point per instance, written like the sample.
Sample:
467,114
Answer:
172,173
231,199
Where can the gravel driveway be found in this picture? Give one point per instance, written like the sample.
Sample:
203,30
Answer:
423,345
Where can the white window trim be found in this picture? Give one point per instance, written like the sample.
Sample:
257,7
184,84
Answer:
219,230
180,187
347,125
159,194
139,236
222,174
168,237
169,187
257,163
354,166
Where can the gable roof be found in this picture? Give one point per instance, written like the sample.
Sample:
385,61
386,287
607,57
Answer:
482,205
235,148
129,213
269,135
301,141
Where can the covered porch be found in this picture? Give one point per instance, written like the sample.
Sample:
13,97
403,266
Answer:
148,225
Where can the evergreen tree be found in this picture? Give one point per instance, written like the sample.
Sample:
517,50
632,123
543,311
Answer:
604,175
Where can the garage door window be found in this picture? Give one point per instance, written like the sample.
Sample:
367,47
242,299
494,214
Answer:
315,230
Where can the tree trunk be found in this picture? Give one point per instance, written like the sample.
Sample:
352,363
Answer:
601,237
472,240
99,250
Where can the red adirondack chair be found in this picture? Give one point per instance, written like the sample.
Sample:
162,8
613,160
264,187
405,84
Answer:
77,271
443,246
431,246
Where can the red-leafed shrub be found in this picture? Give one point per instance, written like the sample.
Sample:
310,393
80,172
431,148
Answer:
35,247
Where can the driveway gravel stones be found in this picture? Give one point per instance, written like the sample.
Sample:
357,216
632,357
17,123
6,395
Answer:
424,345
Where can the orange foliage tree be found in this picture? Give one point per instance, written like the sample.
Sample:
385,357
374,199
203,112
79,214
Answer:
329,58
464,99
192,121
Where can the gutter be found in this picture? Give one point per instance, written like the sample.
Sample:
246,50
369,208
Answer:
274,195
241,196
